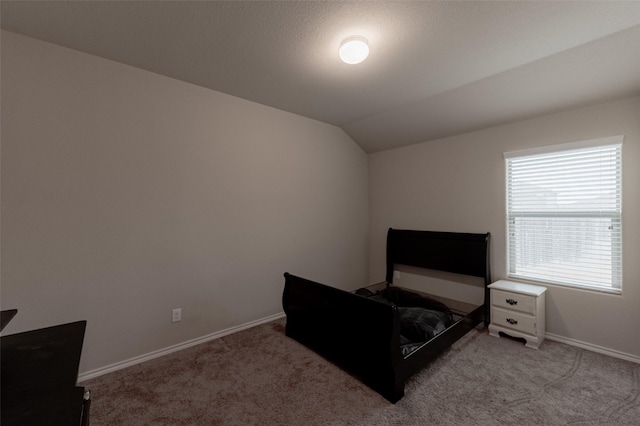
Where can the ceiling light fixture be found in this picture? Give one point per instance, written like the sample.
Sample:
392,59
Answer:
354,50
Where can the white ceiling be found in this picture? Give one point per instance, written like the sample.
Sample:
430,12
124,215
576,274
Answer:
436,68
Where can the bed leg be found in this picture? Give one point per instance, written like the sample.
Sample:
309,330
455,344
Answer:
390,389
395,394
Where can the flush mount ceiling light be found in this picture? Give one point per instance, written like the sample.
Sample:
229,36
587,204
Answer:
354,50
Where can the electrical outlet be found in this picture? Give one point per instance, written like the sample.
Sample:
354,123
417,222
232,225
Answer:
396,275
176,315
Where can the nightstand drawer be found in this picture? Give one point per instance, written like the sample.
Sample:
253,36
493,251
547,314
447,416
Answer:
513,301
513,320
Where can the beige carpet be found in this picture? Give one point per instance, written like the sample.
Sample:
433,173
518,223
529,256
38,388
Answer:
261,377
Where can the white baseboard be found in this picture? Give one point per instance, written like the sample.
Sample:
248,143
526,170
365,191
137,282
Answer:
184,345
594,348
166,351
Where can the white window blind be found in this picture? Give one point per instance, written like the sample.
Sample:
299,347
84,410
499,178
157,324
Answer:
564,212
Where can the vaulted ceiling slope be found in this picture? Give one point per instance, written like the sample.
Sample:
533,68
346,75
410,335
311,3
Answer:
436,68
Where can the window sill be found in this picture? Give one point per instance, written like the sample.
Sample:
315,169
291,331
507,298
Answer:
606,290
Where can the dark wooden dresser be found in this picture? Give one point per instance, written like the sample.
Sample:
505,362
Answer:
39,376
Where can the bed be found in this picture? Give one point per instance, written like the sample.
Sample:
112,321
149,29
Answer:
366,335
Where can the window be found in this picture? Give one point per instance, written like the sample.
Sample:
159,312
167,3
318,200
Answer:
564,211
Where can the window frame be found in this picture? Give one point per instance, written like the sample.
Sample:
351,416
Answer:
615,216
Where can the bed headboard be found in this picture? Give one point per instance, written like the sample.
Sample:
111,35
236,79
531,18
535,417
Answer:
460,253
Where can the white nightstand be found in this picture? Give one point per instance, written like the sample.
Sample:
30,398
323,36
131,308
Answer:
518,310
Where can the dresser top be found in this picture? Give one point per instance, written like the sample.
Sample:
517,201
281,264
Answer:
533,290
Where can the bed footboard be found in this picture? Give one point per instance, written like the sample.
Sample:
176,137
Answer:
359,334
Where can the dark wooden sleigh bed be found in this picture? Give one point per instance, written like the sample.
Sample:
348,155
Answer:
363,335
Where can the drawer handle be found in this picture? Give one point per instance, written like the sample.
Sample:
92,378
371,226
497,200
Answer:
511,301
512,321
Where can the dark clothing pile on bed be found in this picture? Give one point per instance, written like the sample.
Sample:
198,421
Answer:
421,317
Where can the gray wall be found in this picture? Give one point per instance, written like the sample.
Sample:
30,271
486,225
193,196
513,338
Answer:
126,194
458,184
